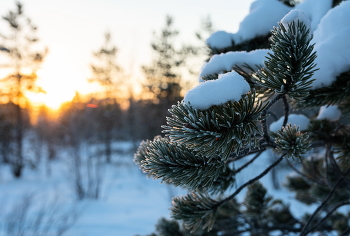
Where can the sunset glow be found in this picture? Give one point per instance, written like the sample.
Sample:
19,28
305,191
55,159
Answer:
60,82
71,39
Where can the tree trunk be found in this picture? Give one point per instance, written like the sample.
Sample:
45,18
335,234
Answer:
18,162
108,145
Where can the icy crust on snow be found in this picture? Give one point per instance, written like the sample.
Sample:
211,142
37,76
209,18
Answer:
332,45
331,113
225,61
263,15
296,16
228,87
294,119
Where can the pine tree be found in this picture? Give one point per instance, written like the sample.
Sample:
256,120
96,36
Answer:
108,74
163,76
19,46
204,139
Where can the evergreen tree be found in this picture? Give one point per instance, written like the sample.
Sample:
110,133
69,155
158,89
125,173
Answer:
105,68
19,43
108,74
205,137
163,75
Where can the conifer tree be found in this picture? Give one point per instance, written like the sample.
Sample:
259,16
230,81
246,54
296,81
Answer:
225,119
19,42
108,74
163,76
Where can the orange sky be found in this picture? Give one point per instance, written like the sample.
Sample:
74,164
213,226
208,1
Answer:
73,29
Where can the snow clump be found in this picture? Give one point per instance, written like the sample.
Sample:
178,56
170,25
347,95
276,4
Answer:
332,45
258,22
263,15
295,16
225,61
314,10
294,119
228,87
220,39
331,113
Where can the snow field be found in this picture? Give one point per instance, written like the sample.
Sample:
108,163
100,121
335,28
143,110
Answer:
129,203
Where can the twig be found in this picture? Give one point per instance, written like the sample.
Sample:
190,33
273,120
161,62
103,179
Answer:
343,203
249,182
245,152
317,144
286,110
326,157
302,174
248,162
331,156
304,230
263,121
346,232
274,116
264,230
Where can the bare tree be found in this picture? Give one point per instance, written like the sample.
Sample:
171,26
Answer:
31,216
85,166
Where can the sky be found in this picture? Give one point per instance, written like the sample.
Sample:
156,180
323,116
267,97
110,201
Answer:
73,29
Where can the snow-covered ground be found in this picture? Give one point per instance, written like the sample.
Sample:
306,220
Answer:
129,204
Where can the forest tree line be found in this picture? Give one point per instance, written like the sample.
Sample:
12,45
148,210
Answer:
101,119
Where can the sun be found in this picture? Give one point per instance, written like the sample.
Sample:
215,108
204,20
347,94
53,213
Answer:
59,82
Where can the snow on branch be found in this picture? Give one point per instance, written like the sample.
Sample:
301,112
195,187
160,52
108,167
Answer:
331,113
314,10
226,61
263,15
332,44
294,119
296,15
229,87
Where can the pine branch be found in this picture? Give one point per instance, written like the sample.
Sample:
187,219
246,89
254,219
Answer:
218,130
248,162
293,142
339,171
175,163
266,229
338,93
343,203
315,181
274,116
194,208
247,151
286,110
346,232
225,180
304,230
248,72
267,170
288,70
263,121
326,157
